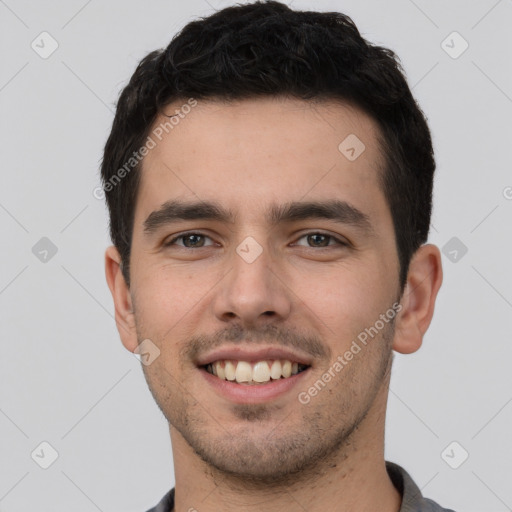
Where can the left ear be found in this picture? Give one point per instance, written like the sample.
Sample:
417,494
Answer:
424,279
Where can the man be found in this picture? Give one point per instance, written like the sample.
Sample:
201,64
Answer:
269,181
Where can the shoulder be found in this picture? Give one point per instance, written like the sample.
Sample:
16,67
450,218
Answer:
412,499
166,504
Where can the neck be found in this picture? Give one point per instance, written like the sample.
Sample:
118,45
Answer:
353,478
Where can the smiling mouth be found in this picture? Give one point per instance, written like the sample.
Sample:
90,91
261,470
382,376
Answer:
257,372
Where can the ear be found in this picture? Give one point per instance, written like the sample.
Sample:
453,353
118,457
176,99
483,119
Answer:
424,279
125,318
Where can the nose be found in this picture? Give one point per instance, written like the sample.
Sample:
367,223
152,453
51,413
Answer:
253,292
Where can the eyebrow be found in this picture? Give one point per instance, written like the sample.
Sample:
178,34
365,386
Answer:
337,210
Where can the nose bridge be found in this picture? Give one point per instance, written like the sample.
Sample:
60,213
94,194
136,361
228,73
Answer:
252,287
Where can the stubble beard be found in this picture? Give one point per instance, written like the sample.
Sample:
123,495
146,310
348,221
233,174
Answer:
265,453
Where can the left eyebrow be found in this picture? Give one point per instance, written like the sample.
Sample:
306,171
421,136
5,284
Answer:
339,211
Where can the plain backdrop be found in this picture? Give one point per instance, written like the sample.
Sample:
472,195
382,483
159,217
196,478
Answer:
65,378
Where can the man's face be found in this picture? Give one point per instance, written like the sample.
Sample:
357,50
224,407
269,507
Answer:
275,282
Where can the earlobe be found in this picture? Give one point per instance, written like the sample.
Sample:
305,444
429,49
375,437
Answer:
124,315
424,279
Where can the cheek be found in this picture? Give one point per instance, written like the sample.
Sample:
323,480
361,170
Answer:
167,298
342,302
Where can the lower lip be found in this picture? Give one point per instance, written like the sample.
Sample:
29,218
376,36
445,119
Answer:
252,394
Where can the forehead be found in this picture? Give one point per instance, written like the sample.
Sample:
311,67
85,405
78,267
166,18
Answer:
250,153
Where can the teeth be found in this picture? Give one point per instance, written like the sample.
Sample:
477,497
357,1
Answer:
275,370
243,372
287,369
220,372
259,372
229,370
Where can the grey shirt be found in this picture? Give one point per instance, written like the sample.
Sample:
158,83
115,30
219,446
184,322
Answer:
412,499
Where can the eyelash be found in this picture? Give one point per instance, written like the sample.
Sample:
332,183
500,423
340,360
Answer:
189,233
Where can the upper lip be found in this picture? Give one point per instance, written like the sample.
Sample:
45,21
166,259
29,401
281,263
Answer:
253,354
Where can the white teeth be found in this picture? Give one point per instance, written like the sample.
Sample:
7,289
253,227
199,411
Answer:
243,372
287,369
220,370
258,372
276,369
229,370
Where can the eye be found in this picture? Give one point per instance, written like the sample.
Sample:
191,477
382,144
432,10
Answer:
317,239
190,240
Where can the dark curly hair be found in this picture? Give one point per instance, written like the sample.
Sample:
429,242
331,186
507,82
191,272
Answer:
268,49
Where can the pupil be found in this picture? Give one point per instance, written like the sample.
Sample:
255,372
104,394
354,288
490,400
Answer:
191,238
315,239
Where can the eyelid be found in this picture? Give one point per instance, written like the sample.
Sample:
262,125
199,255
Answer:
176,237
339,241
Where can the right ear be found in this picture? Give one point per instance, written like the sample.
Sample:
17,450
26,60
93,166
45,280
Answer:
125,318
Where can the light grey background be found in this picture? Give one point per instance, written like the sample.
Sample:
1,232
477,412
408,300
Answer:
66,378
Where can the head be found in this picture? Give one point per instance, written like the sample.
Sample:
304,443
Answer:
283,135
265,50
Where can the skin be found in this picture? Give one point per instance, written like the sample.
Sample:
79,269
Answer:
328,454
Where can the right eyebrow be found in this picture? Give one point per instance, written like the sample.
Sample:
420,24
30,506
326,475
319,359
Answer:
172,211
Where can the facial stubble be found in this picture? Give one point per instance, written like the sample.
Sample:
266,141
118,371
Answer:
266,446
